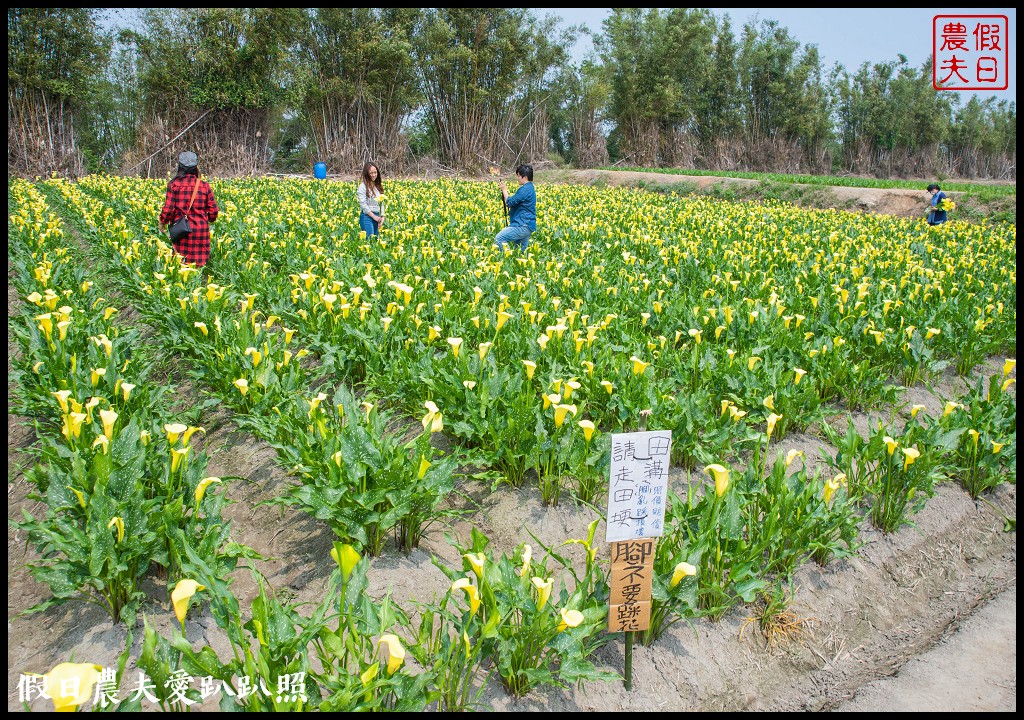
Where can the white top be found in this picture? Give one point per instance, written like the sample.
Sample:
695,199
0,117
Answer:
368,201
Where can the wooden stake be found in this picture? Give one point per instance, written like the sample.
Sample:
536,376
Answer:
628,681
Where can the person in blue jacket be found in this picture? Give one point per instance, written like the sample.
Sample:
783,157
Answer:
522,210
936,216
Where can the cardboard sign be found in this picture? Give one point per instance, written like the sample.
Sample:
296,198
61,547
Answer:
632,571
629,617
638,486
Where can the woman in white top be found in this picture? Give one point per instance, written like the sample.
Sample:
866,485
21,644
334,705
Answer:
369,193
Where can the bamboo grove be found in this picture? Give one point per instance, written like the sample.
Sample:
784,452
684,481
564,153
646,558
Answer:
262,89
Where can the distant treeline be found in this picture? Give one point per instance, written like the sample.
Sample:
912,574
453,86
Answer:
254,90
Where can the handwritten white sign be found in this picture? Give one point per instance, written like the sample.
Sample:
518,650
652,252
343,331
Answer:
638,486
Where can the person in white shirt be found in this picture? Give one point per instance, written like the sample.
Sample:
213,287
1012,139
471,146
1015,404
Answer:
369,193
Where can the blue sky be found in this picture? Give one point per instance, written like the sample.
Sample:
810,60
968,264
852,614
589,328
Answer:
850,36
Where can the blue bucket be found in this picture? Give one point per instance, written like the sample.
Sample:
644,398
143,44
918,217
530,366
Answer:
320,171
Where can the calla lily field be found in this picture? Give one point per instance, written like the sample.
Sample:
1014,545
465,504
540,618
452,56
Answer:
390,373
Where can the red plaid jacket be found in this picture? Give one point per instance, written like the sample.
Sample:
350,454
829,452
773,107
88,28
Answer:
194,247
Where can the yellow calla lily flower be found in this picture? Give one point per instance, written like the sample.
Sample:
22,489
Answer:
570,619
202,486
531,367
752,361
347,558
45,324
560,412
62,398
178,457
424,466
1008,366
126,390
543,590
570,387
433,418
181,595
394,653
915,410
832,485
73,425
912,454
174,431
799,375
472,594
476,561
890,444
527,556
772,420
120,527
793,455
682,570
721,475
102,442
607,386
456,343
369,675
242,384
70,684
588,429
639,366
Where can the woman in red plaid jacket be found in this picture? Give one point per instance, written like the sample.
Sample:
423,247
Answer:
194,247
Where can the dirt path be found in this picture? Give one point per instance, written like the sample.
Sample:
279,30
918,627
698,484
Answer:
974,669
896,201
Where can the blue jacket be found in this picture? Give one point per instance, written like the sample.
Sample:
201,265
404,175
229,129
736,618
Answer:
522,207
937,216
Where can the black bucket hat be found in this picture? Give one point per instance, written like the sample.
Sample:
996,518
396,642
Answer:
188,160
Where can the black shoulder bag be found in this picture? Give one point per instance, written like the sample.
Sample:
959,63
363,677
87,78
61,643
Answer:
181,227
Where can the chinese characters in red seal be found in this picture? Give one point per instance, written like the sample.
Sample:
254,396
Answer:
970,52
